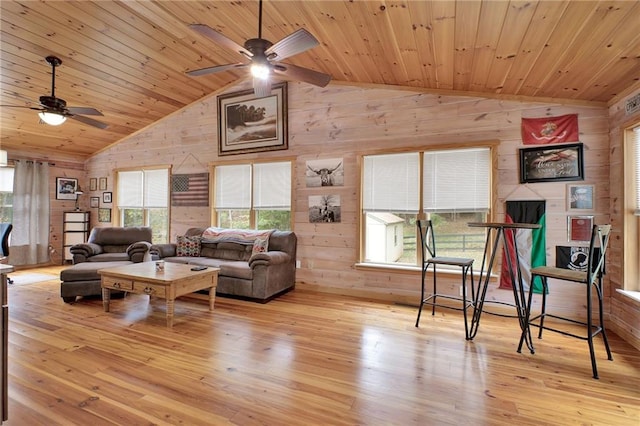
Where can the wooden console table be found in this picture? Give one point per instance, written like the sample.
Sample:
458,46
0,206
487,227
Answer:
142,278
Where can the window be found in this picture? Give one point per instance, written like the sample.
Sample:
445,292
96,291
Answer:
253,196
631,232
6,194
450,187
143,200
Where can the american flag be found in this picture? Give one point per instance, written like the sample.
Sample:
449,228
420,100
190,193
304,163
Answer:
190,190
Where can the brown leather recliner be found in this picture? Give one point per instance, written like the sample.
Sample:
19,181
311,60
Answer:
112,244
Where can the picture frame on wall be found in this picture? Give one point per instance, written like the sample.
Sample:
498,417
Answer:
552,163
579,228
66,188
102,184
581,197
324,172
94,202
93,184
104,215
106,197
247,123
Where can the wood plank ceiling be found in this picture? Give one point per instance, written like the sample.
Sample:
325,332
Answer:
128,59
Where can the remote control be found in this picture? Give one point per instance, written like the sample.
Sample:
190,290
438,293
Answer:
198,268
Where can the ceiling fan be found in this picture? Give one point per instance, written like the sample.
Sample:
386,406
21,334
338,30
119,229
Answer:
265,57
54,111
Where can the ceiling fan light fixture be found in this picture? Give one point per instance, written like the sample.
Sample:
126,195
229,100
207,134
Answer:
52,118
260,71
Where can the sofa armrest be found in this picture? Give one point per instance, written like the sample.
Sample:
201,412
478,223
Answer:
82,252
163,250
138,250
269,258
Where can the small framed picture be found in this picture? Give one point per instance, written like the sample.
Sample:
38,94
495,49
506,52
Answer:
106,197
104,215
103,184
579,228
66,188
93,184
580,197
94,202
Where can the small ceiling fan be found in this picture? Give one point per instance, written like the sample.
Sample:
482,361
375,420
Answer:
265,57
54,111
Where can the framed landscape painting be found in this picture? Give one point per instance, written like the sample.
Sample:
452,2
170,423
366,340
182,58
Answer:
250,124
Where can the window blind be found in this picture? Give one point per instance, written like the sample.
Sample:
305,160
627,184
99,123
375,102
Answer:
391,183
233,187
635,142
272,186
130,189
156,188
6,179
457,180
143,188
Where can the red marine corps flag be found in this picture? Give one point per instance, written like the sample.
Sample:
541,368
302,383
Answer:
540,131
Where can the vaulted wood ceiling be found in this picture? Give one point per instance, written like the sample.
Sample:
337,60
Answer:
128,59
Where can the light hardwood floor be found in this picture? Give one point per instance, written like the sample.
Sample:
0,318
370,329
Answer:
302,359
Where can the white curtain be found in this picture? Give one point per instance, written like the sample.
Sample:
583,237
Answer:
30,234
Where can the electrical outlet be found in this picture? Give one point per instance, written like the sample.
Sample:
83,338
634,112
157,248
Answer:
460,290
298,264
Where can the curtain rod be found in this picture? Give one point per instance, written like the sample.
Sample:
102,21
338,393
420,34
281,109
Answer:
30,161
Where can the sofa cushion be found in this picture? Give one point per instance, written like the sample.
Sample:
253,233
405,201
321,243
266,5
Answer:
188,246
229,268
88,271
109,257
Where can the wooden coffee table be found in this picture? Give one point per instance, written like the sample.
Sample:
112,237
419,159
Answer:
142,278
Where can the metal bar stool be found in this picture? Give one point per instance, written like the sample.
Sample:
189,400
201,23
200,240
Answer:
592,278
429,258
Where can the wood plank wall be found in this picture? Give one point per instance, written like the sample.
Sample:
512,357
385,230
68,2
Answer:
346,122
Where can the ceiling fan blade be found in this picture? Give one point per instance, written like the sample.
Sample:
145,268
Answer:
84,111
217,68
21,106
89,121
261,87
291,45
307,75
220,39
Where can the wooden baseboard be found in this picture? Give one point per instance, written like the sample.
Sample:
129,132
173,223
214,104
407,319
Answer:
624,334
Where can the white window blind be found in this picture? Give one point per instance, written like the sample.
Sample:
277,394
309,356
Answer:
457,180
391,183
233,187
143,188
130,189
635,142
6,179
272,186
156,188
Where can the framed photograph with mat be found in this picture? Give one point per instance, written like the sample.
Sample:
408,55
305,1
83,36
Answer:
250,124
580,197
66,188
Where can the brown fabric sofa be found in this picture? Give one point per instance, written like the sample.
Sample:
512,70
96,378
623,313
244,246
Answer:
106,248
243,273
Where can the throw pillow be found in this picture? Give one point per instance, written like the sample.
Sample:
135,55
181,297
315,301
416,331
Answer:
188,246
260,245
